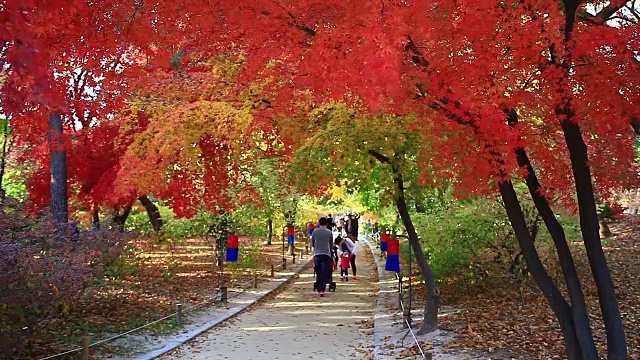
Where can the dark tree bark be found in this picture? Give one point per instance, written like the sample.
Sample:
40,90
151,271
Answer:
153,212
558,304
430,322
578,306
3,161
95,218
119,219
59,206
616,343
269,230
635,124
605,232
433,292
589,226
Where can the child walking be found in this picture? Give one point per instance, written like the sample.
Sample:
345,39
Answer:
345,262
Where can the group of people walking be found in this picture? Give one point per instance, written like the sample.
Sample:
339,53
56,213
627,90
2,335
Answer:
347,224
331,252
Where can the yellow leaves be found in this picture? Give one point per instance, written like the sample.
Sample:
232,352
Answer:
173,139
225,66
181,130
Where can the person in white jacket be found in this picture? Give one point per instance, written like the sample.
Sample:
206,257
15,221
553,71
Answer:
351,245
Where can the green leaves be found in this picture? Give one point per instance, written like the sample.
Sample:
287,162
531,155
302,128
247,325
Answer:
5,130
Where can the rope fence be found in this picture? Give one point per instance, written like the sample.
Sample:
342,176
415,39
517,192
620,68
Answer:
406,319
112,338
238,290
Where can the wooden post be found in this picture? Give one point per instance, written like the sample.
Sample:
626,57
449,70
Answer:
179,315
399,293
85,347
255,280
284,264
294,258
273,270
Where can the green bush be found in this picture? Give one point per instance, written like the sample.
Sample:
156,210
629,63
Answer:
467,233
458,236
476,234
252,221
138,220
246,220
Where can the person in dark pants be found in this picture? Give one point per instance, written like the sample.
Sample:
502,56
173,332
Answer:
322,241
352,226
351,246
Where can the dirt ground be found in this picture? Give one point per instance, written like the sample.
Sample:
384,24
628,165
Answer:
495,317
159,276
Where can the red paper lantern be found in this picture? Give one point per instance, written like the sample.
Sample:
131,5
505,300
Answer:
393,247
232,241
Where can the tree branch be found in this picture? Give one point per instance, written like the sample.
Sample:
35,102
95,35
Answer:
603,15
382,158
304,28
635,124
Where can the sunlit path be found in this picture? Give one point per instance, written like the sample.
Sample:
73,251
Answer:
298,324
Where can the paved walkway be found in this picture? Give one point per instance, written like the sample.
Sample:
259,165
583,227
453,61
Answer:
298,324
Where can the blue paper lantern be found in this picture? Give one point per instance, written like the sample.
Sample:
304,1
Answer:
393,263
393,255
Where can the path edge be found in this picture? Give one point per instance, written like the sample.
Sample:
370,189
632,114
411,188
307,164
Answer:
173,344
387,286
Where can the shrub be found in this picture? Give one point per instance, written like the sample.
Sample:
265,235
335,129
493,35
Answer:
475,237
468,235
44,268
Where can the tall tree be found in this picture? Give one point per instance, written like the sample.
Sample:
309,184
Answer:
58,155
6,132
369,154
571,79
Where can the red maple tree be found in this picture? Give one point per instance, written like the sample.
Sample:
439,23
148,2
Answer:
514,85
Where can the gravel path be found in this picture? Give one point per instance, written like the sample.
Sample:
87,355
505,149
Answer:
298,324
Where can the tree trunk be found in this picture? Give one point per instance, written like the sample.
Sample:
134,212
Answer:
120,219
59,206
589,226
3,161
605,232
95,218
578,306
269,230
153,212
558,304
433,292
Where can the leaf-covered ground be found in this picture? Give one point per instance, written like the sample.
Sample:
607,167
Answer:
496,317
148,288
493,315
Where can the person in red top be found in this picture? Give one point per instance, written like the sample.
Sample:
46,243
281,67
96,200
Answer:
345,264
346,258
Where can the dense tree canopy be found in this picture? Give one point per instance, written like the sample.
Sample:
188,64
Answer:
388,56
541,90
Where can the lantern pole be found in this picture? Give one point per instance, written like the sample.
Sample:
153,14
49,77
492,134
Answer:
284,259
221,283
407,310
222,247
